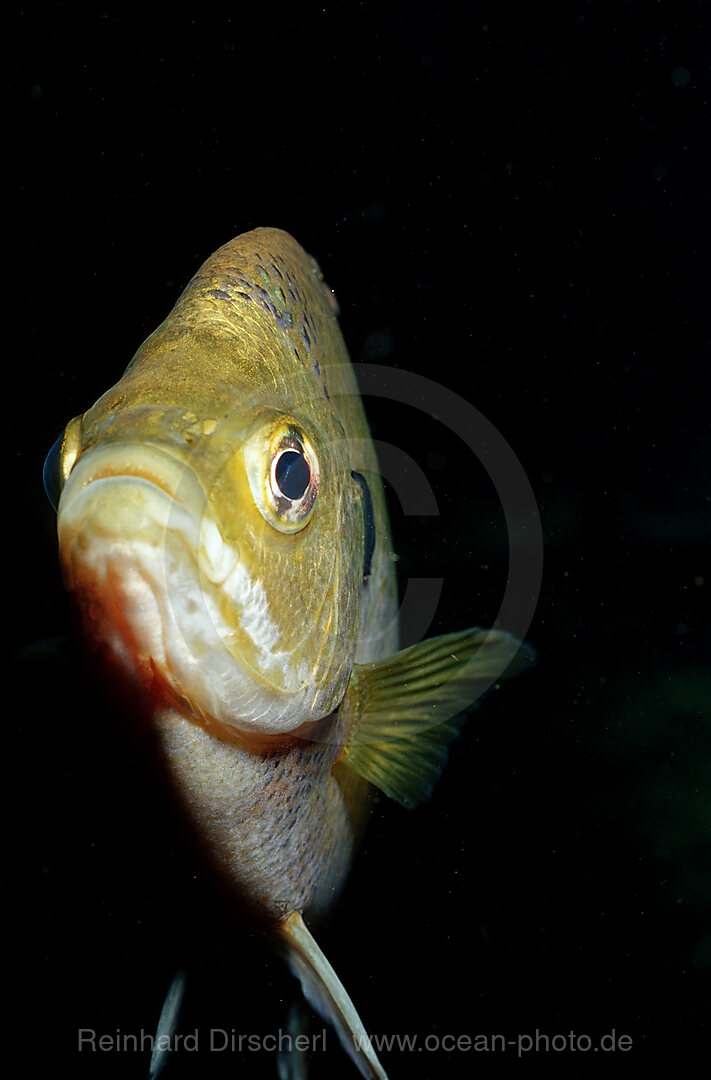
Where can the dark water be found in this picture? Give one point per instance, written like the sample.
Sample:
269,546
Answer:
514,203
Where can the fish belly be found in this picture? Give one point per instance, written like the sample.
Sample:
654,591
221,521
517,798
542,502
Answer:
275,823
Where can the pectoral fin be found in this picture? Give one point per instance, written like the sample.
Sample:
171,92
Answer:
325,992
404,711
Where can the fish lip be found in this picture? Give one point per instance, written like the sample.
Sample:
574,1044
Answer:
230,697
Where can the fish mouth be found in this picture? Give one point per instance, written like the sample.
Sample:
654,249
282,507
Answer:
159,588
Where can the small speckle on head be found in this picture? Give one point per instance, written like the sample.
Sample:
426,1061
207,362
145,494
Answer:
192,434
332,300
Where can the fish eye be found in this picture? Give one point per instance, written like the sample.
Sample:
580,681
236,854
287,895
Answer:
60,460
283,473
51,472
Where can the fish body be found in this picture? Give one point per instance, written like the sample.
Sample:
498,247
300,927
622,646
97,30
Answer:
223,531
240,632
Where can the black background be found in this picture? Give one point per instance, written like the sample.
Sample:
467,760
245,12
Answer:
511,200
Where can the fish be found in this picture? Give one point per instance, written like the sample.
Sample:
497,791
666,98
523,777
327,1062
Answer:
223,534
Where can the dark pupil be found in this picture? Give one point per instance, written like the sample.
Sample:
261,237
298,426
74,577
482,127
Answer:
292,474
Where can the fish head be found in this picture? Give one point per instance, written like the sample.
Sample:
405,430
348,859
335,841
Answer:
210,528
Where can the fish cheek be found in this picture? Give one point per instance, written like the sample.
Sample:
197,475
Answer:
294,601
